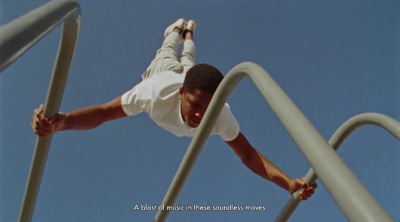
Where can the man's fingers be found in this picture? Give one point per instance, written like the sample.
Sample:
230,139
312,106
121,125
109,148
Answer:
41,108
305,185
307,192
303,196
45,122
41,125
300,182
40,122
311,188
42,131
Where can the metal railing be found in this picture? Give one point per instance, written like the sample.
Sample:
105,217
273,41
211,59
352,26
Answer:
349,193
387,123
16,38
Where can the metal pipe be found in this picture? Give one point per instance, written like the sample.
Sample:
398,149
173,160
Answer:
16,38
349,193
386,122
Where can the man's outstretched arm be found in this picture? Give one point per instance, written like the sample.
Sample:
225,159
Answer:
260,165
81,119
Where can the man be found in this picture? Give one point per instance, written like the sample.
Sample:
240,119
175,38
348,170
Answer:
175,93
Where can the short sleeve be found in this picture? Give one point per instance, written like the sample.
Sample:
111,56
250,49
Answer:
228,126
136,100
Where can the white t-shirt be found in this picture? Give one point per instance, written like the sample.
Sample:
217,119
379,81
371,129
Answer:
158,96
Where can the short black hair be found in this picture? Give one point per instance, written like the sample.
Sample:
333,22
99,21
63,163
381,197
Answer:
204,77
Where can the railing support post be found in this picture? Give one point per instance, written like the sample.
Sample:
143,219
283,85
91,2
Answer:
389,124
16,38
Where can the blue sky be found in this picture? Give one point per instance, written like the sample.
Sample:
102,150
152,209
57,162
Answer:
335,59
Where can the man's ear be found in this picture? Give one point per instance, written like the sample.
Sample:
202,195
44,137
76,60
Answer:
180,93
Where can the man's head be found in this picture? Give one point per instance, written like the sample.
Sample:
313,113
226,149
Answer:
199,86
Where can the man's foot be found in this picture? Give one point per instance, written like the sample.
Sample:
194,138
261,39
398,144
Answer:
190,27
179,24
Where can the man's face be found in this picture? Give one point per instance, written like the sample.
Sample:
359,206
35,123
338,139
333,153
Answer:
194,105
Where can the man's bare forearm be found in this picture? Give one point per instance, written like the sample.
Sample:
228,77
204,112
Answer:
257,163
260,165
85,118
93,116
80,119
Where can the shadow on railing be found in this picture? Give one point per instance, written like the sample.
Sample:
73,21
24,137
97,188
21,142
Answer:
19,36
349,193
388,123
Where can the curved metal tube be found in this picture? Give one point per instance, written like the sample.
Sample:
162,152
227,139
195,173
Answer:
22,33
386,122
16,38
349,193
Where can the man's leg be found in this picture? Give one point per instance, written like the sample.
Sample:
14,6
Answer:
166,58
189,49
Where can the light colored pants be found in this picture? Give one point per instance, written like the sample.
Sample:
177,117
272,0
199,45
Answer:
167,57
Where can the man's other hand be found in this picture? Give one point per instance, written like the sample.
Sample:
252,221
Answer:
306,190
43,126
